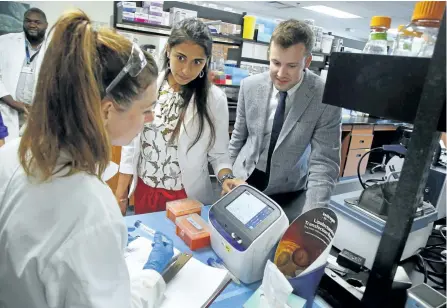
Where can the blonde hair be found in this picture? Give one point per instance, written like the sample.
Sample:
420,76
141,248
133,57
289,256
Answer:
78,65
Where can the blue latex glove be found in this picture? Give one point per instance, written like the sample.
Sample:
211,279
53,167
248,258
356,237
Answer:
161,253
130,238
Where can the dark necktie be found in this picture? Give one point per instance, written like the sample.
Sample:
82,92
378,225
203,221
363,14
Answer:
278,121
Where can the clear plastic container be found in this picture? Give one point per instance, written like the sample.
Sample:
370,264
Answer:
377,42
194,231
326,43
418,39
178,208
318,34
404,41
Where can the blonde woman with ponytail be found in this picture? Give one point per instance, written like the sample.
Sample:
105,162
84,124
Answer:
62,235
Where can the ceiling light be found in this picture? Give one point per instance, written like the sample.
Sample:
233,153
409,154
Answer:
330,11
281,5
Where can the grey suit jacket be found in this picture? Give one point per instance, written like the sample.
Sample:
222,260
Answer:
307,154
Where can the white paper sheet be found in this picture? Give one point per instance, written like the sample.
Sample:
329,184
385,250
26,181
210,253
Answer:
192,287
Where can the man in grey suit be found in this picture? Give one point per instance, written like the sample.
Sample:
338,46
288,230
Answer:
285,140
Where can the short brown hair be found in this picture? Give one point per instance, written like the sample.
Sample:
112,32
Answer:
65,117
292,32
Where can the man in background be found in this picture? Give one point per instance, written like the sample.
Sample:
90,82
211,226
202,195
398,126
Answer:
285,141
20,57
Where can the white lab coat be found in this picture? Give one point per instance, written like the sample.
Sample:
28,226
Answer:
62,243
193,163
12,55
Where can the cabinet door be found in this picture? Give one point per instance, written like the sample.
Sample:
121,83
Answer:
353,160
361,141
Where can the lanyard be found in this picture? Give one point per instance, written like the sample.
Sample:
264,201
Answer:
28,58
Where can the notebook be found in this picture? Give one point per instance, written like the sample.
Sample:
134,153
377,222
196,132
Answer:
195,286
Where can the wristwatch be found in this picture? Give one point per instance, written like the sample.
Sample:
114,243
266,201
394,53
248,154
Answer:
228,176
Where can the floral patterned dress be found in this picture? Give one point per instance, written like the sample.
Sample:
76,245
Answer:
158,164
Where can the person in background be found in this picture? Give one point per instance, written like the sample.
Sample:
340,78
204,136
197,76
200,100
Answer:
3,131
21,56
285,141
169,159
62,236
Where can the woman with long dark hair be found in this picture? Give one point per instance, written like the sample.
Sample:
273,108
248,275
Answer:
169,159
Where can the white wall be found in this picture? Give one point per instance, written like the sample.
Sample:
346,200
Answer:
99,11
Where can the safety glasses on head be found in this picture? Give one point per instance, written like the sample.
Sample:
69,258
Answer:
137,61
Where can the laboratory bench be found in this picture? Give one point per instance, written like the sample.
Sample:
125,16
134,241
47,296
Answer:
233,295
334,290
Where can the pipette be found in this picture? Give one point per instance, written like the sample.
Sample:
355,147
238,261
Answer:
151,232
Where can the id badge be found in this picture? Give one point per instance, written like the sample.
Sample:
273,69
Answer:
27,69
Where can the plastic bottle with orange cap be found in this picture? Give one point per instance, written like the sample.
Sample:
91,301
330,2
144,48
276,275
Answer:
377,42
418,38
403,43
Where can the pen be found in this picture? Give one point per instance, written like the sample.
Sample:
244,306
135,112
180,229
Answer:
151,232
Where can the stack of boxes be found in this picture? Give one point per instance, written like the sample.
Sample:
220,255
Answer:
190,226
222,27
231,75
150,13
221,51
177,15
265,29
129,9
154,10
234,75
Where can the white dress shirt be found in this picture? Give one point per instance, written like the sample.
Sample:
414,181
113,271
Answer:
27,79
273,103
